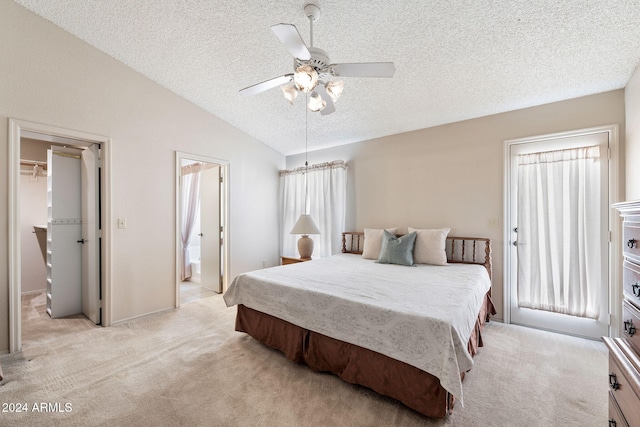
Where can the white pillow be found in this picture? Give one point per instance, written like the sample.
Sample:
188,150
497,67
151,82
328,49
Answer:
373,242
430,246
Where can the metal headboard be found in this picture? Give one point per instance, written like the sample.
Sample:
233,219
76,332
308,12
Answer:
462,250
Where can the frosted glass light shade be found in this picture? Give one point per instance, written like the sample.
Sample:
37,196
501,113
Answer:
334,89
305,225
305,78
316,103
290,92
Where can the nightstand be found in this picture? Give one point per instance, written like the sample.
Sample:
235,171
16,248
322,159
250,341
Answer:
288,260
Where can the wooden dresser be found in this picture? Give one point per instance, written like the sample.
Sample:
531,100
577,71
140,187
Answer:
624,352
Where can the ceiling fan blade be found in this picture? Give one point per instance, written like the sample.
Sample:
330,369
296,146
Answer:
266,85
330,107
290,37
364,69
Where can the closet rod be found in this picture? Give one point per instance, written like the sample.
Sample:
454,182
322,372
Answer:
25,162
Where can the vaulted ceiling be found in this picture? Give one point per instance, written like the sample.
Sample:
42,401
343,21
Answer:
455,59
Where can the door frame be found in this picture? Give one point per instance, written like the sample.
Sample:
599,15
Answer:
17,129
224,210
615,289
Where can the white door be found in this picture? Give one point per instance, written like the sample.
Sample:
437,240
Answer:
522,241
210,228
90,233
64,232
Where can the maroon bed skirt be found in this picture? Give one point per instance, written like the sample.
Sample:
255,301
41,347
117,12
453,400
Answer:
415,388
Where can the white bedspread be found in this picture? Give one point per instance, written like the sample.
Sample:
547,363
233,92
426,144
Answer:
421,315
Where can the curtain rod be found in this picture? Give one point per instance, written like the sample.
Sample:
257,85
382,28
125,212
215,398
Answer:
196,167
336,164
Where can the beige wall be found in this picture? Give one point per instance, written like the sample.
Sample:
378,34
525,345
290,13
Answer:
632,109
452,175
51,77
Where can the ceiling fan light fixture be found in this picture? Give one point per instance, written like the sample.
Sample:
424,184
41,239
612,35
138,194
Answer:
334,89
310,64
305,78
290,93
316,103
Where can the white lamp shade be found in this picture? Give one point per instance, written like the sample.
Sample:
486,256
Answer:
305,78
290,92
305,225
316,103
334,89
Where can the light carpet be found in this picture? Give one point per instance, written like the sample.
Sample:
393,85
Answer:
188,367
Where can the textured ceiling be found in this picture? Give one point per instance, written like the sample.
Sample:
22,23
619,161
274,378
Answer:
455,59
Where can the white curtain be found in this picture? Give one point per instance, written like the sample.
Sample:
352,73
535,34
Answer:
559,251
190,200
325,198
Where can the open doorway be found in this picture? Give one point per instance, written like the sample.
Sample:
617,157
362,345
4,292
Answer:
73,152
61,210
201,227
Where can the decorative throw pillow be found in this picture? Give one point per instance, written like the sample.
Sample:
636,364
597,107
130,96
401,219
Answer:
430,246
373,242
397,250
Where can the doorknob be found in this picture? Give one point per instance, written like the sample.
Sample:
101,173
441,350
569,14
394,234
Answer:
81,241
200,234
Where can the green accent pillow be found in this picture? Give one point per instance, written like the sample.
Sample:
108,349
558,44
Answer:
397,250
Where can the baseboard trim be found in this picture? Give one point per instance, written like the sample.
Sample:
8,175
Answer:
129,319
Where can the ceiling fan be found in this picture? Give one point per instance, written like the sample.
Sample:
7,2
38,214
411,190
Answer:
313,72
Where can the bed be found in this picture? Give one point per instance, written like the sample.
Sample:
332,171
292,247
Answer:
405,332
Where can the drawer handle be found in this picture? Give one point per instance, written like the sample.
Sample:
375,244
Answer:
631,243
635,288
629,329
612,423
613,382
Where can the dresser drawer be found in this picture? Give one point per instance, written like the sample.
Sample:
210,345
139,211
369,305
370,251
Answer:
624,379
631,240
631,325
616,419
631,282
